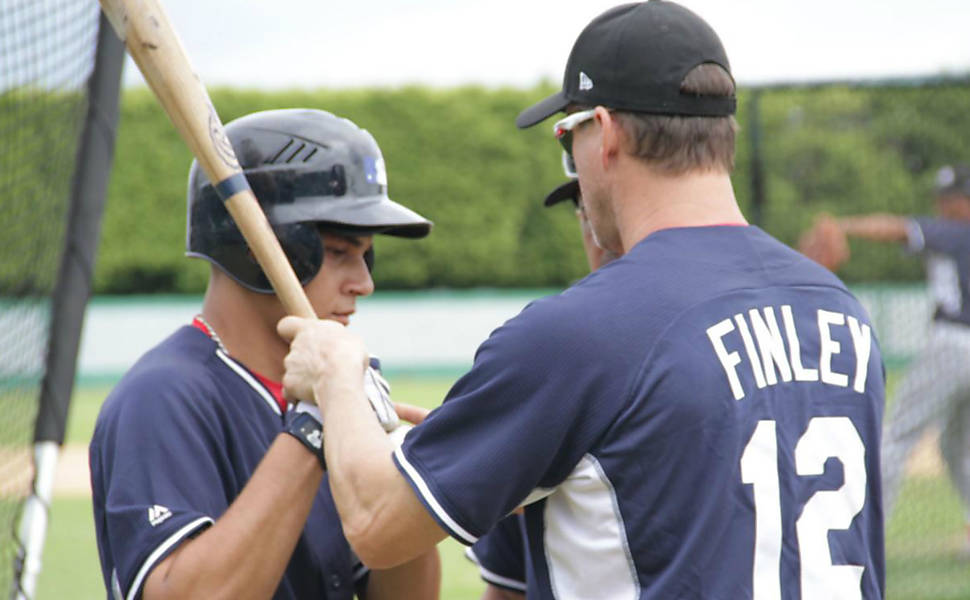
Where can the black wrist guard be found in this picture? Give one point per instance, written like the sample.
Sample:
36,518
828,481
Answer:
309,431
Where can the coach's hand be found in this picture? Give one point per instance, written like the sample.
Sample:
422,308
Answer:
324,357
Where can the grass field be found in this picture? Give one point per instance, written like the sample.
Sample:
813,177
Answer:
923,543
71,570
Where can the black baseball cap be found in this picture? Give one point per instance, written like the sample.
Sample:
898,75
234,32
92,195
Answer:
566,191
953,179
634,57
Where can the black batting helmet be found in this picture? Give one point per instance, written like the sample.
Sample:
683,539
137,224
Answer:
310,171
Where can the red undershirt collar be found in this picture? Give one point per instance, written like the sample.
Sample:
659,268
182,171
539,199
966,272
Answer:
274,387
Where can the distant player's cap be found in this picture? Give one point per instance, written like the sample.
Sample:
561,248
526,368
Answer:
634,57
953,179
566,191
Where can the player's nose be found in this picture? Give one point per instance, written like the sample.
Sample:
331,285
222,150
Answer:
359,281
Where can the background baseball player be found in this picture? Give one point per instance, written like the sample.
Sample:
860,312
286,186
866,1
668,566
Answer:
205,484
934,392
697,418
595,256
500,554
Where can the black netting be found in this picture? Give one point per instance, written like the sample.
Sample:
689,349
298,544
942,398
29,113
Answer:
47,54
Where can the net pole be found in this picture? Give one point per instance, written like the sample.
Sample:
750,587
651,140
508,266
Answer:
94,158
756,159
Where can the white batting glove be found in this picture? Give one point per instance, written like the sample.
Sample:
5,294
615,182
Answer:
378,392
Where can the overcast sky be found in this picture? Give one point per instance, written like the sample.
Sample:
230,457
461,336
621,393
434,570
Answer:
320,43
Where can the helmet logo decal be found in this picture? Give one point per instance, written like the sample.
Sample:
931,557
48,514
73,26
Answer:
374,170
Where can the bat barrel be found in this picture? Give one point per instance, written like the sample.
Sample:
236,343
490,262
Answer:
156,49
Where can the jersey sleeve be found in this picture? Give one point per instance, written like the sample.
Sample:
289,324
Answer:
944,236
519,420
500,555
154,457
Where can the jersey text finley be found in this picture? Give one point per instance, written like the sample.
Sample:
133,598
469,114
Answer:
759,335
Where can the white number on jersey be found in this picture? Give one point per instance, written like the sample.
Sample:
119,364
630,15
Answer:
826,437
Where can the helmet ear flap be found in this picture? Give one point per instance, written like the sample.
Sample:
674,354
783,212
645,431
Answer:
303,247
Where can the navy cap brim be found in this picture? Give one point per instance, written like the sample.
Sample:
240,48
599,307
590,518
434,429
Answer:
542,110
567,191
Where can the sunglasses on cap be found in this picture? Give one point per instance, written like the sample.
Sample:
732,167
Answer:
563,129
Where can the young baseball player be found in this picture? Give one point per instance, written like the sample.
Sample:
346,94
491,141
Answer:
206,482
697,419
935,389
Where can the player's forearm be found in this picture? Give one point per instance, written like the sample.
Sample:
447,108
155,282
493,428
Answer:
419,579
877,227
358,455
381,517
244,554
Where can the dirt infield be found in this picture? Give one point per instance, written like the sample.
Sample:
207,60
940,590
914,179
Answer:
16,472
73,477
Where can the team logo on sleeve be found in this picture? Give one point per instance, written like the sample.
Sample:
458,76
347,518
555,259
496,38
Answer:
158,514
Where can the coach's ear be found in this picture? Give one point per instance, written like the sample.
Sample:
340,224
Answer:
611,140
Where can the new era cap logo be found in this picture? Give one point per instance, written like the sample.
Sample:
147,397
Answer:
585,83
158,514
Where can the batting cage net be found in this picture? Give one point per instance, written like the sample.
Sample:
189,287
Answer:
47,55
882,148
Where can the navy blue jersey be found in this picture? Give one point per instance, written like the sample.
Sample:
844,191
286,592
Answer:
176,441
946,245
501,554
698,419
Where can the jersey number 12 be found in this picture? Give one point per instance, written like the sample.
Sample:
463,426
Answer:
826,437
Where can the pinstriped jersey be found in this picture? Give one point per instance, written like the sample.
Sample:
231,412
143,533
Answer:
945,244
698,419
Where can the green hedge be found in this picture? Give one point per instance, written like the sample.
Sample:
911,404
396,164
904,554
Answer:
455,156
853,150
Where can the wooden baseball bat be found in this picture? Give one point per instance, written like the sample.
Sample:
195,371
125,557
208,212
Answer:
157,50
